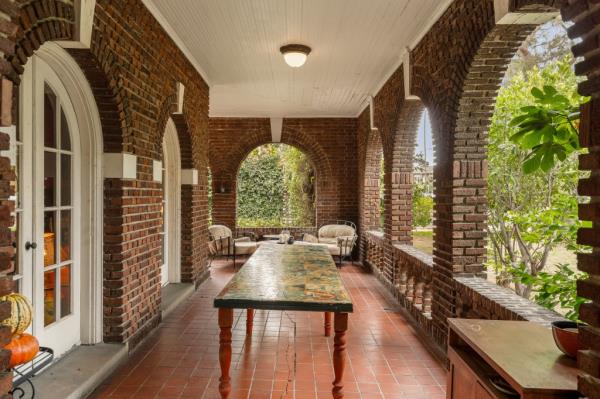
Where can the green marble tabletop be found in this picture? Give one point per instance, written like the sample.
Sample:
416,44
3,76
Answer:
287,277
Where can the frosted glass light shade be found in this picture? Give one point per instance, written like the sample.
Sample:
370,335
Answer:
295,59
295,54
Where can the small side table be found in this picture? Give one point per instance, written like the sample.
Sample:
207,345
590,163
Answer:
489,359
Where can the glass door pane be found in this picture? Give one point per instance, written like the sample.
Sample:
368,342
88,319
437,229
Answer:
58,229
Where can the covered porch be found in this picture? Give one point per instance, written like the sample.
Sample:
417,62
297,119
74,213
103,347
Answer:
288,356
124,128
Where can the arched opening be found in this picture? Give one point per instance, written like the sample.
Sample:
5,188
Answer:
276,187
57,154
532,217
374,185
422,189
171,209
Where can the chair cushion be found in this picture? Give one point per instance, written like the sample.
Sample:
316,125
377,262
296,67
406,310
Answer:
310,238
244,247
335,230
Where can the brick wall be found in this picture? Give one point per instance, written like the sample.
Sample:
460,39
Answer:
133,68
144,65
586,17
330,143
456,71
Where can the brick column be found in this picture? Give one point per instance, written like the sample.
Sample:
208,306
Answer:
132,249
8,32
399,198
193,218
586,17
461,177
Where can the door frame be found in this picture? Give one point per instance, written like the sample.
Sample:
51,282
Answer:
91,185
172,185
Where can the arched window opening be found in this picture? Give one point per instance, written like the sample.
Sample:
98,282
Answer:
373,196
532,204
422,206
276,188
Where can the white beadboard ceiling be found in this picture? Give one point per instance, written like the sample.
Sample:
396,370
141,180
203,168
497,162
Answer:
356,45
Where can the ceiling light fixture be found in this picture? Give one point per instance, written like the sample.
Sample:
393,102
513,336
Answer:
295,54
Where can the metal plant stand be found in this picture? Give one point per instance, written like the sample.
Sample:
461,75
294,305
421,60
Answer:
24,372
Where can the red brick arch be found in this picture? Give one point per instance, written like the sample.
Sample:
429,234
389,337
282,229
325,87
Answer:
231,139
399,219
133,82
38,21
460,90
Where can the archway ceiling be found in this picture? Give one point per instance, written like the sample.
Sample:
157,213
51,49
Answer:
356,44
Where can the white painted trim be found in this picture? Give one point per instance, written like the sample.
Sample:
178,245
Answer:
503,16
268,115
180,96
172,187
527,18
157,167
189,176
92,194
84,15
501,8
176,39
276,128
444,4
118,165
372,113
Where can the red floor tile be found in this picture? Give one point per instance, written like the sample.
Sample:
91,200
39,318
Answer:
287,357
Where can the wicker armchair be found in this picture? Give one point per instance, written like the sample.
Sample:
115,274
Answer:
338,236
222,243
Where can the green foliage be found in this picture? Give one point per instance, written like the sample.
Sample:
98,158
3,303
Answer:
532,198
275,188
422,206
554,290
547,129
299,183
260,186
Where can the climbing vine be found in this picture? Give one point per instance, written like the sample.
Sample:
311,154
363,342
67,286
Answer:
276,188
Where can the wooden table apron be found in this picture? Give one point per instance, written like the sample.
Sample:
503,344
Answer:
286,277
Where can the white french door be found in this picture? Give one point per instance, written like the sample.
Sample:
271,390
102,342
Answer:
48,207
166,216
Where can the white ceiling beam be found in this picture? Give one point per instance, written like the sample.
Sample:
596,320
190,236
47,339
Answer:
276,128
503,16
405,54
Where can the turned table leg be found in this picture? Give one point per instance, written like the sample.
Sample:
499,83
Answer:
225,323
249,321
340,326
327,317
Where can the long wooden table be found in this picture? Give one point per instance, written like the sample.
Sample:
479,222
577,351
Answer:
286,277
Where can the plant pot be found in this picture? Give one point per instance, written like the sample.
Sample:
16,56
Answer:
566,337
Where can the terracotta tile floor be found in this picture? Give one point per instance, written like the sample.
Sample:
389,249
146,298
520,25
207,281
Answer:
288,355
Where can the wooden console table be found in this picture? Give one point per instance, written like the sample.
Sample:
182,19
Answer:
286,277
522,353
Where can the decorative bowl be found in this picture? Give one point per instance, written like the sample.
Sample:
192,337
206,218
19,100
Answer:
566,337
